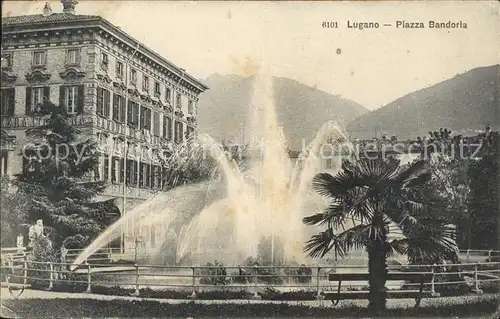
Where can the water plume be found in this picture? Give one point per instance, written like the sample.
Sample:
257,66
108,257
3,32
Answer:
268,200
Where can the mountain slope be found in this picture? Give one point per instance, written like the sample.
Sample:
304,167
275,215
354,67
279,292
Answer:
464,103
301,110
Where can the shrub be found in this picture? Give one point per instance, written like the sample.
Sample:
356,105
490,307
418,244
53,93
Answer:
38,261
71,308
304,274
165,294
114,290
223,295
273,294
72,283
214,274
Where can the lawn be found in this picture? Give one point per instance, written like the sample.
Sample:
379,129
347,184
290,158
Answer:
477,307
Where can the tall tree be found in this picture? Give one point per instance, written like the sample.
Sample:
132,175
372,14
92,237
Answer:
371,199
484,201
450,184
12,212
58,175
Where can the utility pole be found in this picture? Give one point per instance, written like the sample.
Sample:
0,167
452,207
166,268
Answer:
125,146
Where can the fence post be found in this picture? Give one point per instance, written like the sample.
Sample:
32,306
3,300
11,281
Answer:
489,255
467,256
89,280
193,283
51,277
136,292
318,292
10,264
25,271
433,270
255,294
476,280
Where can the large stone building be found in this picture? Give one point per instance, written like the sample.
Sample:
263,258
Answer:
132,100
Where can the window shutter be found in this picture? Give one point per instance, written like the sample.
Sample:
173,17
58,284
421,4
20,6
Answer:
143,111
169,128
122,109
129,112
28,101
12,101
136,113
81,99
46,94
116,108
99,101
62,90
107,101
149,120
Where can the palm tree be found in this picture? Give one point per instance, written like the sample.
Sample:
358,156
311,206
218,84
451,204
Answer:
378,197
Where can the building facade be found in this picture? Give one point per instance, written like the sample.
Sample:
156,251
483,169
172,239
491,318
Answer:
133,101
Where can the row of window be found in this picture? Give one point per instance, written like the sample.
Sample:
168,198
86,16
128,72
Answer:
120,70
71,96
137,173
39,58
137,115
73,57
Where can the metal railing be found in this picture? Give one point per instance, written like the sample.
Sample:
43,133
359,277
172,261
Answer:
192,280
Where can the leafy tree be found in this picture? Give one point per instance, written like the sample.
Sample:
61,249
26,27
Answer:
371,199
484,201
58,169
450,184
193,162
13,213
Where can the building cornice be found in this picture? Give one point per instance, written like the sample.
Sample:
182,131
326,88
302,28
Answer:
127,42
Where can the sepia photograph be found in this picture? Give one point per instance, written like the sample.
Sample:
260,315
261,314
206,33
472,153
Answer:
250,159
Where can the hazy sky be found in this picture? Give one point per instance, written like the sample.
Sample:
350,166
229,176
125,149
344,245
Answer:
374,67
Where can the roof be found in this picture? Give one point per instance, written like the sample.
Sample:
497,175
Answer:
40,18
14,21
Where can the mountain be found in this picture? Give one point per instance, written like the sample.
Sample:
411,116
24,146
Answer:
464,104
301,110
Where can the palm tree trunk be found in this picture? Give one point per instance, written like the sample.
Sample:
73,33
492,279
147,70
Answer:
377,267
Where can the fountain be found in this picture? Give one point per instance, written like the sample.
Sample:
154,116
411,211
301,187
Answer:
268,200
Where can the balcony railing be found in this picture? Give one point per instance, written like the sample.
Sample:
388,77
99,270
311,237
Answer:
14,122
131,132
34,121
116,190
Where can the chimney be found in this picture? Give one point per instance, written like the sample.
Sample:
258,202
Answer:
47,10
69,6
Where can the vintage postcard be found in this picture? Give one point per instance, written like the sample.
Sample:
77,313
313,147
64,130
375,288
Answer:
236,159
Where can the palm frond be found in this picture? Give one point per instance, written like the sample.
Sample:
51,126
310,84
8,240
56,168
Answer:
413,170
319,245
397,246
419,180
353,238
334,215
319,218
330,186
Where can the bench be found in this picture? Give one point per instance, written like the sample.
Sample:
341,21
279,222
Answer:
417,294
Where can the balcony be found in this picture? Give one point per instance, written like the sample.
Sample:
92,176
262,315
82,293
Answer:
116,190
14,122
131,132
